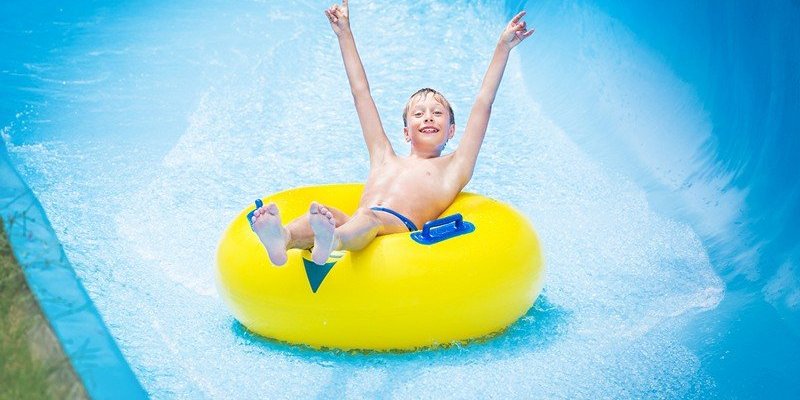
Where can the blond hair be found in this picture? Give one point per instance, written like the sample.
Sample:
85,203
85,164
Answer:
420,94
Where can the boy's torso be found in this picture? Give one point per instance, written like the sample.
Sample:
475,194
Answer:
420,189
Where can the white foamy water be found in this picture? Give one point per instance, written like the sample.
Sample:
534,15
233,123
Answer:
263,105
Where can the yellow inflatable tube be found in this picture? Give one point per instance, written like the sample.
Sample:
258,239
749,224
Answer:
396,294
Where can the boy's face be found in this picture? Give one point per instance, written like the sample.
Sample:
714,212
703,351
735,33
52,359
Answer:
428,124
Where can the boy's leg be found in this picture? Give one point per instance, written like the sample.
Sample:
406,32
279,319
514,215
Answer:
301,236
296,235
355,234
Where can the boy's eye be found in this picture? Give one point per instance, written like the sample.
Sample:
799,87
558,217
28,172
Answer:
417,114
437,112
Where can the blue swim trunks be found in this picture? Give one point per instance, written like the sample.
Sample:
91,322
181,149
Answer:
409,224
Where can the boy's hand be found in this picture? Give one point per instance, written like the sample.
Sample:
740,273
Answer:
515,32
339,17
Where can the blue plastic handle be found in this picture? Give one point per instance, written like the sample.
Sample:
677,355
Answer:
442,229
457,218
259,204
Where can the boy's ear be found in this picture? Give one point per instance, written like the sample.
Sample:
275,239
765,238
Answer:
452,131
405,134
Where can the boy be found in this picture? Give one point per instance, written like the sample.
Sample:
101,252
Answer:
401,193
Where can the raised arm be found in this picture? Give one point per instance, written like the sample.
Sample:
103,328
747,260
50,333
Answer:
378,144
467,153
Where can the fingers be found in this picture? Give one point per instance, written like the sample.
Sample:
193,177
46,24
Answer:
528,33
516,24
336,11
344,4
333,13
522,35
519,27
518,16
331,16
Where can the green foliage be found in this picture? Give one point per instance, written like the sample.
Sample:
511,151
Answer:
32,365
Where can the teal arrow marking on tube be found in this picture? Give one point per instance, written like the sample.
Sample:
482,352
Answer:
316,273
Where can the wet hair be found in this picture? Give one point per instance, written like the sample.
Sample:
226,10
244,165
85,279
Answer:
420,94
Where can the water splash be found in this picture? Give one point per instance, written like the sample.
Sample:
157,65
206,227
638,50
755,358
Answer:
140,206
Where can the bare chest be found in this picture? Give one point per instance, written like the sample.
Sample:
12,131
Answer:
424,183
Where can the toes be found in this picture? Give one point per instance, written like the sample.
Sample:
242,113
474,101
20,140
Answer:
272,209
317,208
326,213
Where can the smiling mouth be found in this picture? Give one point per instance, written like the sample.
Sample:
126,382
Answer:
429,130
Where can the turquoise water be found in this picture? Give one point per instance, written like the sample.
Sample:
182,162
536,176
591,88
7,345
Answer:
651,146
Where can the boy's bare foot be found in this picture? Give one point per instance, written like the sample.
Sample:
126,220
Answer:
323,225
267,225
